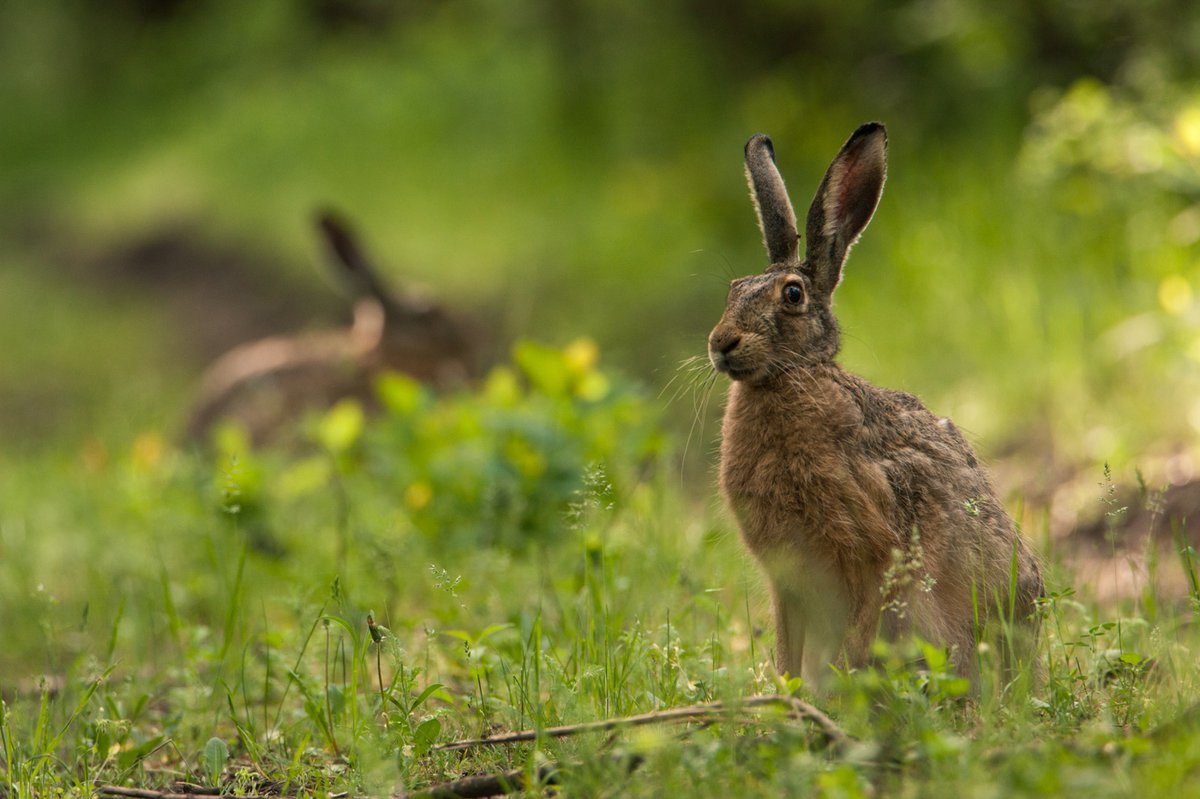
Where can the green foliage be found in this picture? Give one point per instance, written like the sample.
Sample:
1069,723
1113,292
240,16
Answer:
215,757
254,655
1031,270
503,466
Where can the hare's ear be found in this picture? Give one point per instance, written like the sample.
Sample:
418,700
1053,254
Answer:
844,204
344,248
776,218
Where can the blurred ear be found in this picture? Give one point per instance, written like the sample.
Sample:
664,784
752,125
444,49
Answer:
345,250
776,218
844,204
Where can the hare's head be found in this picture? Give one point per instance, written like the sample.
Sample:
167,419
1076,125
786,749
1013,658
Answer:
783,318
401,331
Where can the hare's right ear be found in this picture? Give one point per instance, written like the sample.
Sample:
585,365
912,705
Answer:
344,247
776,218
844,204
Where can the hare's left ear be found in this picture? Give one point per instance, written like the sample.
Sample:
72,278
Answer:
345,250
844,204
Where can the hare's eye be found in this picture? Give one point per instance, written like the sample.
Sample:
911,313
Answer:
793,293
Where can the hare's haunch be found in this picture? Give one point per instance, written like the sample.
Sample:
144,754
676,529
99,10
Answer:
868,514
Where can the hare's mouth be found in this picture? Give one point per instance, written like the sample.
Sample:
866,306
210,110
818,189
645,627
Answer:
736,371
740,373
740,356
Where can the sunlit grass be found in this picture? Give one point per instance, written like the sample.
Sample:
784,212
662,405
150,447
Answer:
209,617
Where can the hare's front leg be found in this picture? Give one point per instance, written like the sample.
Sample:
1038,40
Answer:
789,614
863,629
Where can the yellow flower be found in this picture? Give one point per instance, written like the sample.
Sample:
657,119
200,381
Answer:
418,495
147,451
582,355
1187,129
1175,294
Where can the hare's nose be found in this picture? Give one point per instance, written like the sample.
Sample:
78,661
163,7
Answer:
726,343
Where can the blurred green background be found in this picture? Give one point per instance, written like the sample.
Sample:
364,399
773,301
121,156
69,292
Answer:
573,168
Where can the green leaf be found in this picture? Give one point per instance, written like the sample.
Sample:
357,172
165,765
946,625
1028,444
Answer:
337,700
400,394
491,630
501,387
935,656
421,697
131,757
425,736
956,686
545,367
341,426
305,476
216,755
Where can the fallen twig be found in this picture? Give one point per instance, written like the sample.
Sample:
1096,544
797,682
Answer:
710,711
483,785
147,793
192,789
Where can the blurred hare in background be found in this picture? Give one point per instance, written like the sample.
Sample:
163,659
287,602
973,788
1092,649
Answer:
263,385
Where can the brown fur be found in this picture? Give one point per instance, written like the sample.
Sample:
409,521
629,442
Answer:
867,513
264,384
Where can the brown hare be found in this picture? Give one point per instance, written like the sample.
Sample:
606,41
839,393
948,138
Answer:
868,514
262,385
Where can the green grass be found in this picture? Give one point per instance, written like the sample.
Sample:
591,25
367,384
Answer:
549,549
178,616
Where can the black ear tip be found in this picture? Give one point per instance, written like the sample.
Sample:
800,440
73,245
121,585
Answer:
760,141
870,129
329,220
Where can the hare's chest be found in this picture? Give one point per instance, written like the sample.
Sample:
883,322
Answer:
776,479
796,481
763,464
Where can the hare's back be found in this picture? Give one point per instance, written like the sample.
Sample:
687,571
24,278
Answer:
895,422
931,469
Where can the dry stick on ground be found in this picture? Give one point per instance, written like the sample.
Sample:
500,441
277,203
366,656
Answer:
711,711
483,785
146,793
